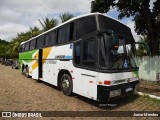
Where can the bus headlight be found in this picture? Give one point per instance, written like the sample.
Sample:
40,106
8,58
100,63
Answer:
115,93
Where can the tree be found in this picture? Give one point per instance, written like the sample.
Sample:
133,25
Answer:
144,16
3,48
34,31
13,47
142,49
66,16
48,24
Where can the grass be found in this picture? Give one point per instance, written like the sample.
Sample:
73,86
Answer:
146,97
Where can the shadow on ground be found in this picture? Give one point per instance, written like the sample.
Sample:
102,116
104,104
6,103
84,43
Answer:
111,105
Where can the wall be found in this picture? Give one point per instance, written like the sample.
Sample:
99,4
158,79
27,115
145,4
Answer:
149,68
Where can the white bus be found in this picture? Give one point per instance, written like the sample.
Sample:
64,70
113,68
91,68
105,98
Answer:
88,55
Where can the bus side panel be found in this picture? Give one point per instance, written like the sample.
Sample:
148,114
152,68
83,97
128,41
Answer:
76,75
84,82
55,59
26,59
20,64
48,72
34,70
89,83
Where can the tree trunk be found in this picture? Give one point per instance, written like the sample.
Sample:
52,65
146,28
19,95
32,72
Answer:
152,36
150,28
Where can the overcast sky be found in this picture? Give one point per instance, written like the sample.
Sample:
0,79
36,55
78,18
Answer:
18,15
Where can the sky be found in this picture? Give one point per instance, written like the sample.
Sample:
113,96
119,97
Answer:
19,15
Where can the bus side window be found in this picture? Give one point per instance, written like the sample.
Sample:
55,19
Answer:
40,41
23,48
63,34
71,36
89,53
85,26
51,38
27,46
20,48
77,53
32,44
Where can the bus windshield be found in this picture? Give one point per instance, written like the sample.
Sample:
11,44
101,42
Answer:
115,53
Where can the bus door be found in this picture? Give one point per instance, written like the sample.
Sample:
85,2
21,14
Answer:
89,77
40,63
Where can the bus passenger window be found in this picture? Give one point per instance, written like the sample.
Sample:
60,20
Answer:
40,41
89,53
85,26
71,31
77,53
51,38
32,44
63,34
20,48
27,46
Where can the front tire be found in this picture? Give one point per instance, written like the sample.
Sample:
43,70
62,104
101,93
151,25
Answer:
23,71
66,84
27,72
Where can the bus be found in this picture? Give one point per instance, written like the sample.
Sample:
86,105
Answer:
89,55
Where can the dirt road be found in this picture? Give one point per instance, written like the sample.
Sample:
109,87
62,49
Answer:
18,93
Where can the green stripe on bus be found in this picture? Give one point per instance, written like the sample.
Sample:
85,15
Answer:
27,55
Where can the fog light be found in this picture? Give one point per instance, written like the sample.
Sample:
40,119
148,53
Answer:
115,93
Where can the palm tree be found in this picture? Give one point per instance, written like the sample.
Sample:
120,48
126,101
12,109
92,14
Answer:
48,23
3,48
34,31
66,16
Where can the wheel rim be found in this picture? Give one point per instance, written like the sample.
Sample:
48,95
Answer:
27,74
65,84
24,71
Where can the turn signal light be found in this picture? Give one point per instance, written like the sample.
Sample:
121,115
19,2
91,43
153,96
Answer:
100,82
116,46
107,82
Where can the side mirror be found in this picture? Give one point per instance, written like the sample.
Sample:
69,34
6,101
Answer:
140,49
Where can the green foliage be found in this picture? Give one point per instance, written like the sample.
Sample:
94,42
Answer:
34,31
48,23
3,48
3,42
145,17
66,16
11,50
147,97
102,6
142,48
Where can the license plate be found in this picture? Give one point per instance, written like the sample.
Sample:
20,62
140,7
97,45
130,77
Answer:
129,89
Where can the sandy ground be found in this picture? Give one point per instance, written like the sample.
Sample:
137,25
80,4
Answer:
18,93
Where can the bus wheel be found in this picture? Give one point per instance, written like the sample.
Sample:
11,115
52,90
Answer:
24,71
66,84
27,72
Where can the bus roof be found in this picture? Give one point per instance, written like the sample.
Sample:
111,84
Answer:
72,19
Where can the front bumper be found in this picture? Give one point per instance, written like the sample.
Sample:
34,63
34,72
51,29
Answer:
103,92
